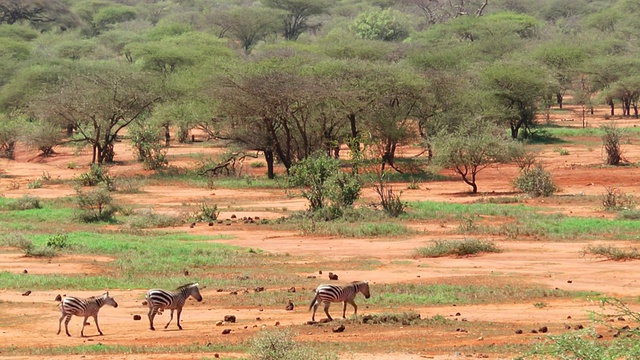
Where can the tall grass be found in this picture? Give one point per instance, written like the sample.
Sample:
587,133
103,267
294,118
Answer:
426,210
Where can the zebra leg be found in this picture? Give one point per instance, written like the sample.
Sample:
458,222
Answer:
95,318
179,311
326,310
315,307
84,322
66,324
60,324
152,314
170,318
355,307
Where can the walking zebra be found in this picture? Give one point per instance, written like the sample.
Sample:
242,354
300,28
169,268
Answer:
328,293
83,307
159,300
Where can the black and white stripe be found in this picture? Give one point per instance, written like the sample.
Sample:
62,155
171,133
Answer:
159,300
83,307
328,293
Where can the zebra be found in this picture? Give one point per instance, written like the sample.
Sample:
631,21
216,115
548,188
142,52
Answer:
328,293
83,307
159,300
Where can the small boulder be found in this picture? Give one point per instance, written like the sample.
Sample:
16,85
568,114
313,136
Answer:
137,317
230,318
338,329
543,329
289,306
226,331
26,293
292,289
259,289
333,276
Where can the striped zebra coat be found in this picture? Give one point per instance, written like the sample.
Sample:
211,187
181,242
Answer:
159,300
83,307
328,293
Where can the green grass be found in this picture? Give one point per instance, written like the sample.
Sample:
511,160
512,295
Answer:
101,349
611,252
585,345
427,210
366,230
445,294
464,247
558,226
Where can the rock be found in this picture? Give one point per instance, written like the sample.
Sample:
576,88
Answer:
320,272
186,273
137,317
569,281
567,327
311,322
25,271
338,329
226,331
480,338
233,216
289,306
230,318
519,331
311,277
277,323
219,290
599,336
219,323
578,327
457,314
216,355
333,276
145,303
543,329
58,298
26,293
192,225
233,293
324,321
256,218
292,289
621,319
534,331
210,223
259,289
258,319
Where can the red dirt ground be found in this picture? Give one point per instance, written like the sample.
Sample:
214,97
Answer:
30,321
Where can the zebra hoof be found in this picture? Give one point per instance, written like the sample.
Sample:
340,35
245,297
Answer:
154,329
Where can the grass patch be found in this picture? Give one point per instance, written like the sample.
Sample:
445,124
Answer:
362,230
25,202
147,218
428,210
611,252
118,349
585,345
465,247
446,294
405,318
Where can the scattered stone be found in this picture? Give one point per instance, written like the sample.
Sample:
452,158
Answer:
519,331
25,271
463,319
219,323
599,336
216,355
258,319
569,281
58,298
621,318
543,329
534,331
233,216
219,221
578,327
256,217
338,329
292,289
259,289
457,314
616,334
569,317
311,277
226,331
233,293
192,225
277,323
186,273
26,293
219,290
333,276
320,272
480,338
324,321
567,327
289,306
626,327
228,224
145,303
210,223
311,322
137,317
230,318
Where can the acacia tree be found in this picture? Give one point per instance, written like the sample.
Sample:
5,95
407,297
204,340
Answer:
248,25
474,146
298,14
99,100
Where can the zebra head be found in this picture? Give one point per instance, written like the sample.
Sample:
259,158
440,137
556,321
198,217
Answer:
363,287
109,300
195,291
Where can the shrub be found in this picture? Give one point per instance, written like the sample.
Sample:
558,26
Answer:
390,201
536,182
611,252
95,176
457,247
279,344
25,202
206,213
17,240
58,241
146,141
35,184
611,143
405,318
95,205
149,219
614,199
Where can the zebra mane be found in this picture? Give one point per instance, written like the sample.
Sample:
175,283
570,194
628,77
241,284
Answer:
186,286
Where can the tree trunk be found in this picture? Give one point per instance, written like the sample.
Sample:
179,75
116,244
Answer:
354,144
268,157
559,99
514,131
167,136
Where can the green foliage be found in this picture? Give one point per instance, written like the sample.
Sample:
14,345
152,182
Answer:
205,213
536,182
385,25
146,141
464,247
390,201
97,175
280,344
95,205
35,184
324,183
58,241
148,218
24,203
9,135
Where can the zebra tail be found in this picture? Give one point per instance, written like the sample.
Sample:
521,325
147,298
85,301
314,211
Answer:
313,301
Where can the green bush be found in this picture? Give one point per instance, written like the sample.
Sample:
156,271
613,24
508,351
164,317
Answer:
149,219
58,241
206,213
464,247
280,345
95,205
614,199
95,176
536,182
25,202
35,184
